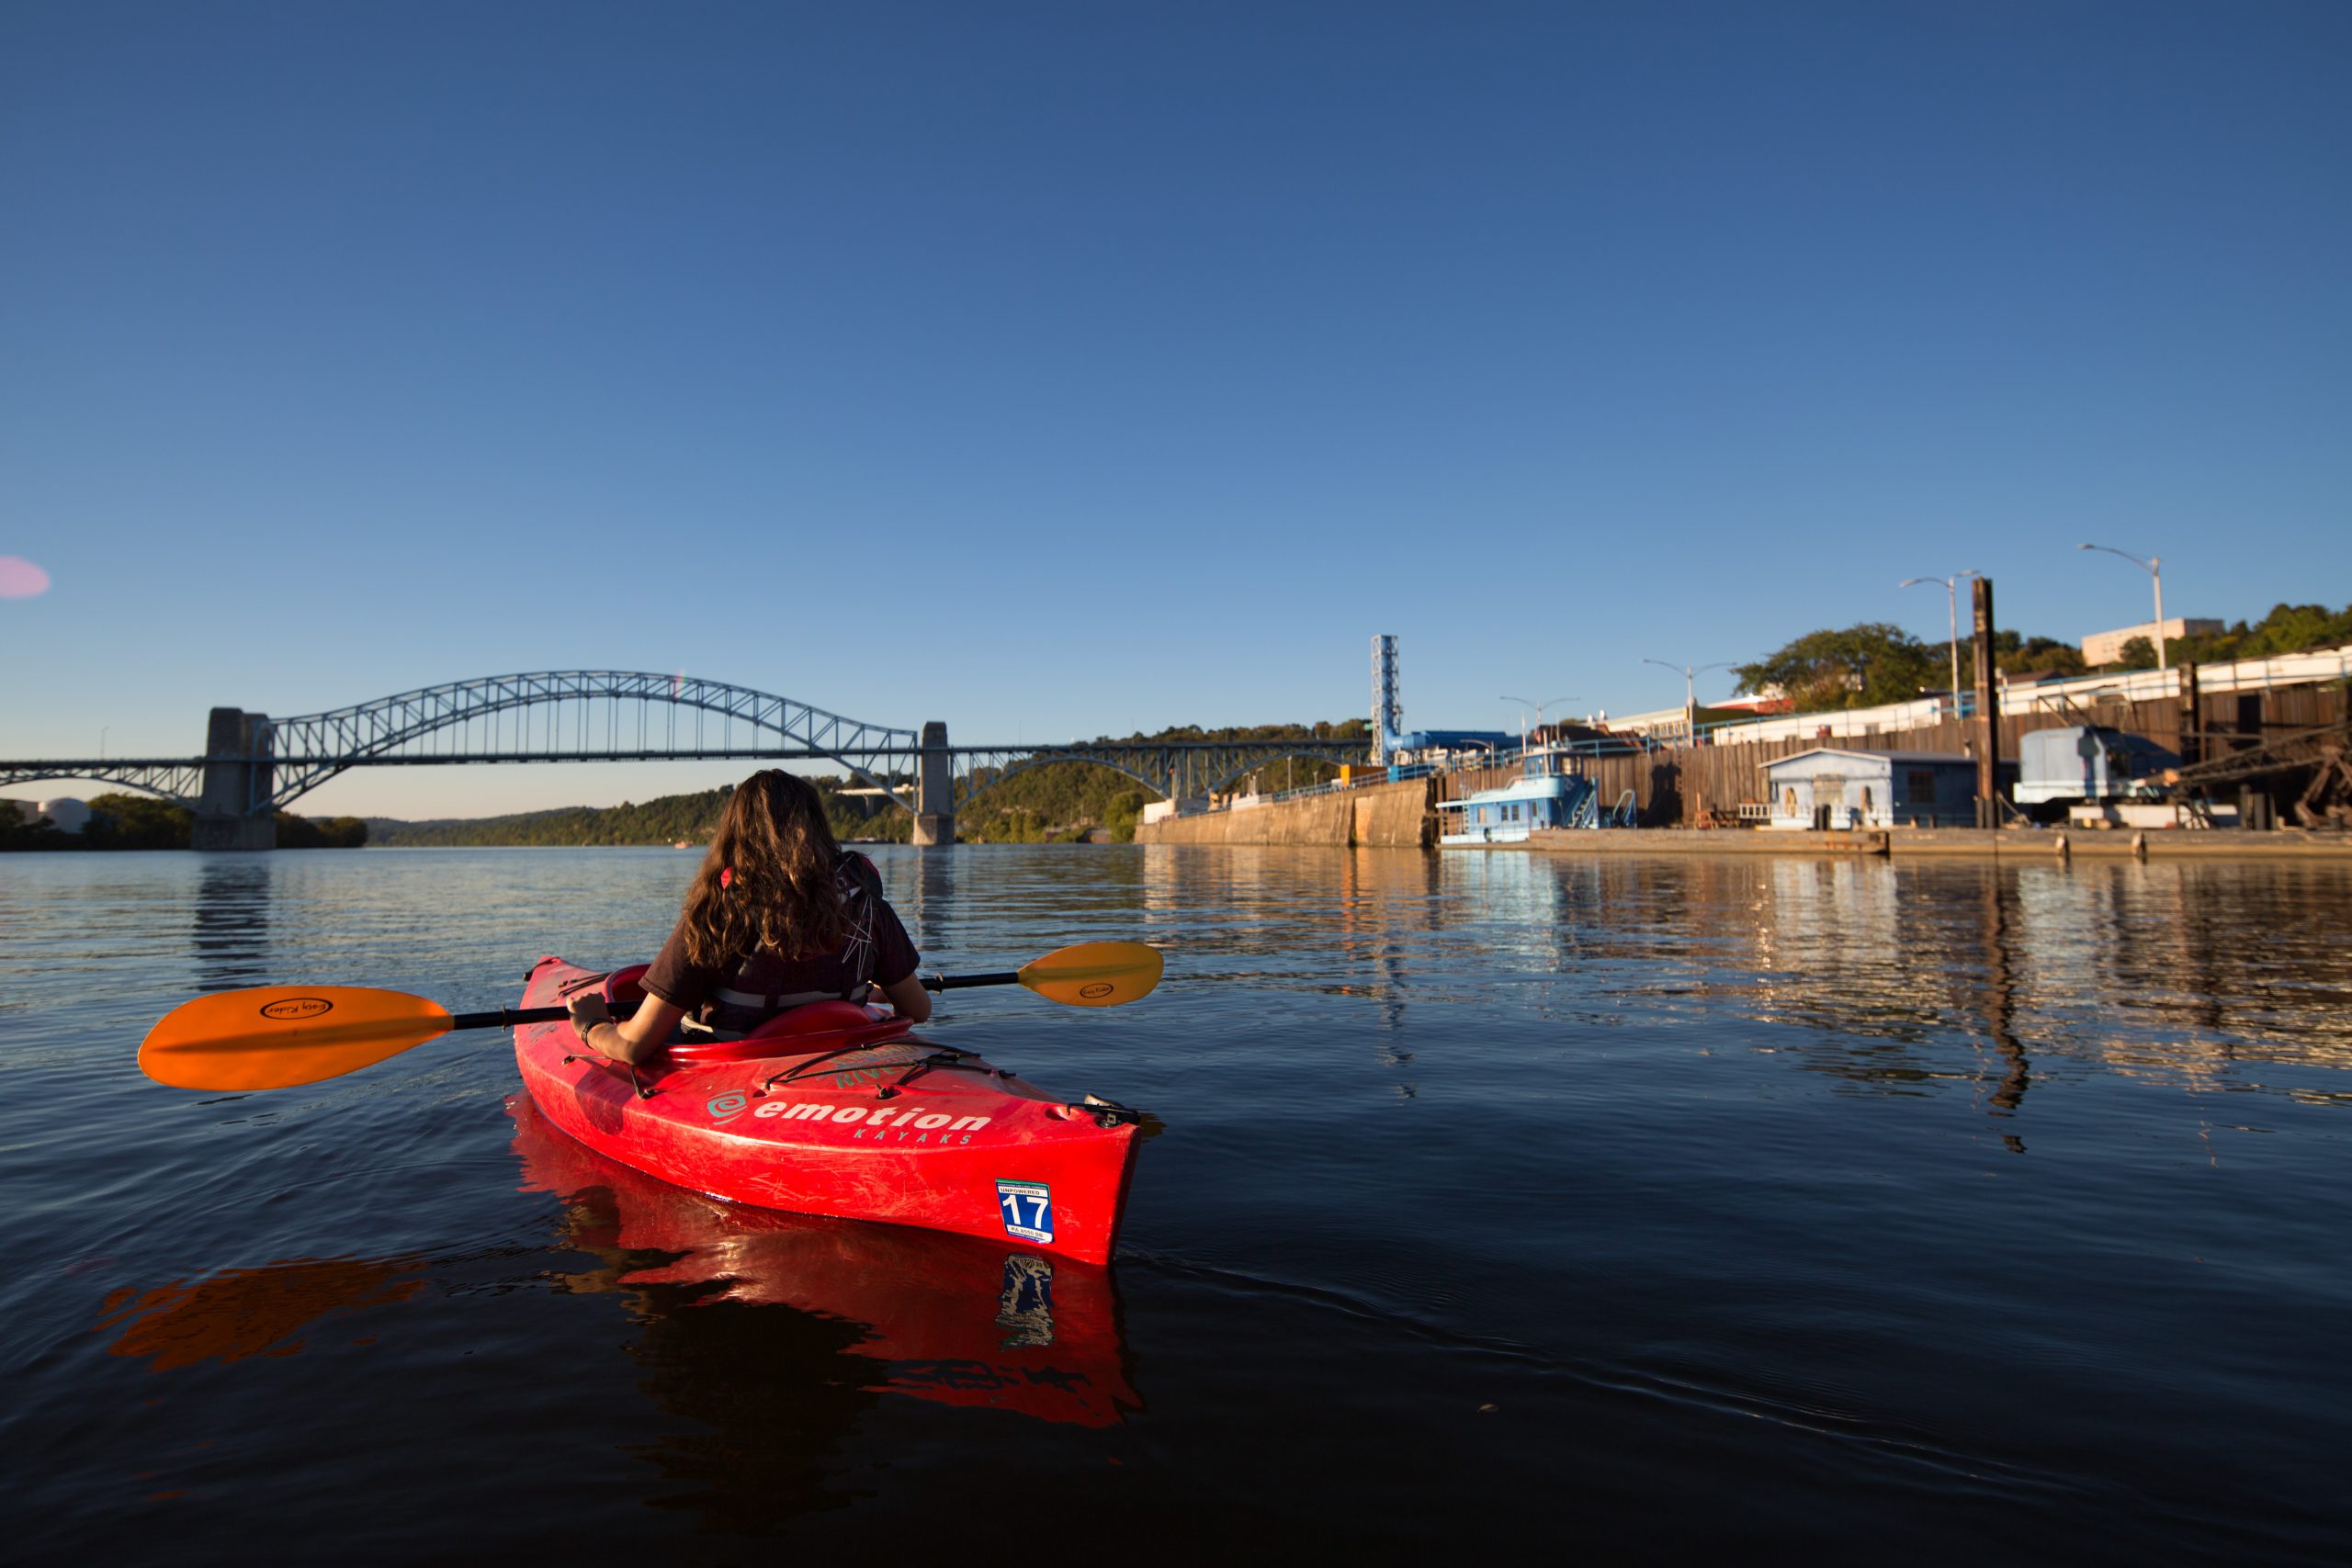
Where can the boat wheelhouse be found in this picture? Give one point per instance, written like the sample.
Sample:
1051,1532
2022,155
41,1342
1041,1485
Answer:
1552,793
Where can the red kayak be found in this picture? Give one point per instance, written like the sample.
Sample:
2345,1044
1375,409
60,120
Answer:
838,1109
947,1318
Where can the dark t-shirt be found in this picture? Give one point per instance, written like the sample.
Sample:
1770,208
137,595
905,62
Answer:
744,993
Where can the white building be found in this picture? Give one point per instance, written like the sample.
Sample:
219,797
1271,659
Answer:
2107,648
65,813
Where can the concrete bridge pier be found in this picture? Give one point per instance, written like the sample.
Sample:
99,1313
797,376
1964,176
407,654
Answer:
934,784
226,818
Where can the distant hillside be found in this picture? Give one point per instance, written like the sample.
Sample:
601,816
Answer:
674,819
1064,802
1060,803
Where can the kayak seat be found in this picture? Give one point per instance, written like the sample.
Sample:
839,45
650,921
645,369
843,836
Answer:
798,1031
627,984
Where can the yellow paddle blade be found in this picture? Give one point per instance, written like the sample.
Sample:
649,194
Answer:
1094,974
278,1036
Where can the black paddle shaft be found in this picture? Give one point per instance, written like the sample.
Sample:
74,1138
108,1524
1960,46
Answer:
957,982
507,1018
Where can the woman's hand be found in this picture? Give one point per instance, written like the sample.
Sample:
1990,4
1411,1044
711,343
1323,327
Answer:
637,1039
588,1008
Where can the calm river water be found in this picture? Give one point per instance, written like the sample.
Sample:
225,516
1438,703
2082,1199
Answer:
1616,1208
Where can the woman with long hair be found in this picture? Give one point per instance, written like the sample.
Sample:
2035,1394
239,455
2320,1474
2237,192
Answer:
779,915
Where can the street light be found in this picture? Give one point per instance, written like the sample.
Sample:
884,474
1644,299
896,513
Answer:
1524,704
1690,698
1952,603
2150,567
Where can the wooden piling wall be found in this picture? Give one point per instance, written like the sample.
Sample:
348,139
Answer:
1381,816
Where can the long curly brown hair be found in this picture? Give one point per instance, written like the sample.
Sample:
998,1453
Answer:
768,879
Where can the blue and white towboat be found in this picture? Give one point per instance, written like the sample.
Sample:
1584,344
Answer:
1551,794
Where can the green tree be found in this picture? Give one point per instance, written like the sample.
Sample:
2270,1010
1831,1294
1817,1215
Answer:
136,822
1861,666
21,828
319,832
2138,653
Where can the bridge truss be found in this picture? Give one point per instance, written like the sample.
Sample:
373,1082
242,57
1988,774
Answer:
174,778
600,715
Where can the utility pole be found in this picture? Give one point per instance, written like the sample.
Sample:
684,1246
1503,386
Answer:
2153,566
1690,692
1988,712
1523,705
1952,611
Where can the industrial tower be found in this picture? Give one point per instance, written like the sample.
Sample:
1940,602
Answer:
1387,707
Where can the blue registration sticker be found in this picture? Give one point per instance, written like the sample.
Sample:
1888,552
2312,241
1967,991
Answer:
1028,1209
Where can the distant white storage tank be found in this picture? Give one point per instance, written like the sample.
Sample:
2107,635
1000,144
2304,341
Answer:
2087,762
2107,648
66,813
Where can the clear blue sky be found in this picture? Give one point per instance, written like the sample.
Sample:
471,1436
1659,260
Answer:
1055,370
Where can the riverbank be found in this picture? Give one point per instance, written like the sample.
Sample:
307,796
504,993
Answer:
2007,843
1400,816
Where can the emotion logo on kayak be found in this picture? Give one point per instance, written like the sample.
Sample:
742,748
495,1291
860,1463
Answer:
288,1010
1096,991
727,1107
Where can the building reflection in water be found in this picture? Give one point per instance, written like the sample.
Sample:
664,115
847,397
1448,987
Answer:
922,888
2178,971
1906,978
229,935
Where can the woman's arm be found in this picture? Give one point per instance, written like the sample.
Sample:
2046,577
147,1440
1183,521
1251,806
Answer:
909,998
636,1039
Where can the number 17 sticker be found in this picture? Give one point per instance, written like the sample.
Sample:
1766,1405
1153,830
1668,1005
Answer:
1028,1209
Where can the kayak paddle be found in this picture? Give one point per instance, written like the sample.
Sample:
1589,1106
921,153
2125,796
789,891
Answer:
1092,975
280,1036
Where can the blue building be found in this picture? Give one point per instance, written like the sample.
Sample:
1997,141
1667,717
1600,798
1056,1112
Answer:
1828,787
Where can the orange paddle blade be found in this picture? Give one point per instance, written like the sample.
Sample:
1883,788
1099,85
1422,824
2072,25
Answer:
278,1036
1094,974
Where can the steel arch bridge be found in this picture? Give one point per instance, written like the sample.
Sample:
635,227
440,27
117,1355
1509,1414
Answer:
257,764
574,715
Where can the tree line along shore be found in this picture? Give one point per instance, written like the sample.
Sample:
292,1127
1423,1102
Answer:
144,822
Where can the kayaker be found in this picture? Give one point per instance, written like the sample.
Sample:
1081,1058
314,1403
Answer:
779,915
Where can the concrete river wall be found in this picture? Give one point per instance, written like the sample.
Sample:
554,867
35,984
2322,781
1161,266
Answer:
1383,816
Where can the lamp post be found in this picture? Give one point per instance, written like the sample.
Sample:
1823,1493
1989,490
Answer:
1690,690
1524,704
102,740
2151,567
1951,606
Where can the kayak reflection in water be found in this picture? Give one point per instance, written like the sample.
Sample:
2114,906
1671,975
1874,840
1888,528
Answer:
949,1319
779,916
